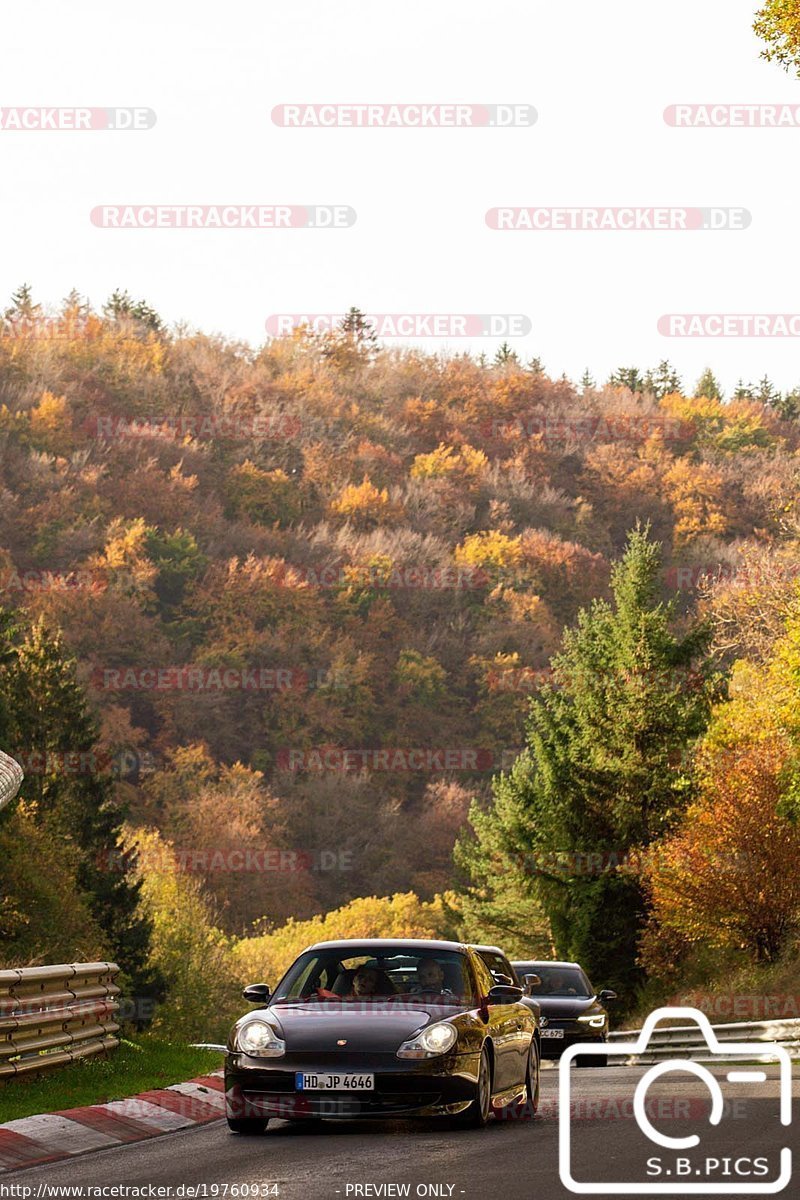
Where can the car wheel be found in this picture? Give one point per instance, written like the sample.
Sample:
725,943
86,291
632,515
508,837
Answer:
533,1078
248,1125
480,1107
526,1109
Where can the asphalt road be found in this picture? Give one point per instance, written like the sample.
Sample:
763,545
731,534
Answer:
508,1158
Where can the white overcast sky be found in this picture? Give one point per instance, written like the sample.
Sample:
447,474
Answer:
599,74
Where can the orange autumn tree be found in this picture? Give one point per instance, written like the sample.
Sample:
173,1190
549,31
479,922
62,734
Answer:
731,876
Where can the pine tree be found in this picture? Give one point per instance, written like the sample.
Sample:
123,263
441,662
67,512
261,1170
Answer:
743,391
787,406
627,377
535,366
23,309
587,380
356,326
663,380
506,357
47,714
708,386
75,308
767,393
602,774
121,307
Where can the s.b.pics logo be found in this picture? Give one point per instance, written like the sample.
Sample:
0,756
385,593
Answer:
725,1114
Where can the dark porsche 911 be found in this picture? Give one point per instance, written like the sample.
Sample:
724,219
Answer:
571,1010
381,1028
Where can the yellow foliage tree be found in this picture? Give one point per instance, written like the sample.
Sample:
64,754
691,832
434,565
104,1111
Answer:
695,492
51,425
187,949
489,549
465,462
364,505
403,915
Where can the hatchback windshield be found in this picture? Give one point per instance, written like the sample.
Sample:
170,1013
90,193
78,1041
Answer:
440,976
556,981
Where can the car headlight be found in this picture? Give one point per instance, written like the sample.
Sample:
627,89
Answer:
596,1022
432,1040
259,1039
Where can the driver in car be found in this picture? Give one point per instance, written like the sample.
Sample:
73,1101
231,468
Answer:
560,987
430,977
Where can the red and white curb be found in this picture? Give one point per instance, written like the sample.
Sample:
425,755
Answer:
48,1137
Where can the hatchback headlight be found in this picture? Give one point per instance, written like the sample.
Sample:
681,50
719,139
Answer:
596,1022
432,1040
259,1039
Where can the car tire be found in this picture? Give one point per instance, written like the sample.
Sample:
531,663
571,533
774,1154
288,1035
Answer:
250,1126
533,1077
480,1107
525,1110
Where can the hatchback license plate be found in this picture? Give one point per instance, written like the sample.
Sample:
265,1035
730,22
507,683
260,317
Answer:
556,1033
330,1081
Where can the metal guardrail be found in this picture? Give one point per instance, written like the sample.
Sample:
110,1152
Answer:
11,777
688,1041
53,1016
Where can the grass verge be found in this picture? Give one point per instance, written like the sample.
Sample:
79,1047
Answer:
135,1066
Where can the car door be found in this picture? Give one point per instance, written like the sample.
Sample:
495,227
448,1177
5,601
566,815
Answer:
503,1030
518,1033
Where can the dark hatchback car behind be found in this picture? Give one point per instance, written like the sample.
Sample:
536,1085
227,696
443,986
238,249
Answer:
571,1010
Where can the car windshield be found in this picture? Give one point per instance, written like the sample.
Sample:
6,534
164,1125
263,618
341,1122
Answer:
556,981
345,974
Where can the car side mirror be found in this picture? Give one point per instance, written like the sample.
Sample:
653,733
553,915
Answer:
504,993
606,996
257,993
532,983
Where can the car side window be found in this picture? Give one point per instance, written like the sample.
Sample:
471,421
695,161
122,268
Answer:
507,969
500,966
485,978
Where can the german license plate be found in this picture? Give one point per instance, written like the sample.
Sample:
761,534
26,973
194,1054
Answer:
330,1081
554,1033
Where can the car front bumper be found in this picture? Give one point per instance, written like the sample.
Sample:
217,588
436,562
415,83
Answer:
410,1087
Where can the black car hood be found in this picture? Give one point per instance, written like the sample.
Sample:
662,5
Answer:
366,1027
565,1007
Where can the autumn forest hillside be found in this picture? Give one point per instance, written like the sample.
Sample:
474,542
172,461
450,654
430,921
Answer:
272,564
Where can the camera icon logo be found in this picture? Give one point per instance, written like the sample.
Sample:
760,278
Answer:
684,1175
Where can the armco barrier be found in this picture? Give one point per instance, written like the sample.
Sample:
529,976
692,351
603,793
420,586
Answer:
687,1041
10,779
52,1016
